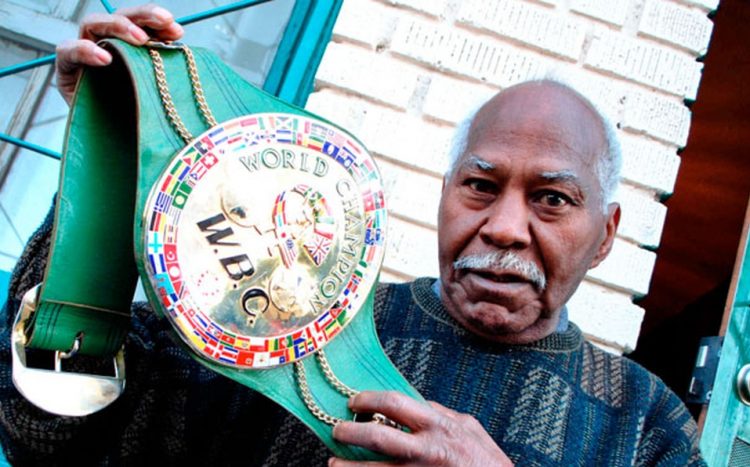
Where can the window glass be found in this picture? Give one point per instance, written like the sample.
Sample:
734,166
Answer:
12,86
40,6
245,39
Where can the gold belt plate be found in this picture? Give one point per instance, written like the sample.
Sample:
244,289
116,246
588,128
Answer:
264,237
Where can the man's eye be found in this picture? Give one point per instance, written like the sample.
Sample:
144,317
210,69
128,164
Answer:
481,186
554,199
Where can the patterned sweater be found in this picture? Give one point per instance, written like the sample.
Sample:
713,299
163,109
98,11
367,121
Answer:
558,401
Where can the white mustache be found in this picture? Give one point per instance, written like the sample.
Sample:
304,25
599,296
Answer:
504,261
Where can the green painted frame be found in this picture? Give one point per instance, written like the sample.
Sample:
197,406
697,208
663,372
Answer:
308,32
727,418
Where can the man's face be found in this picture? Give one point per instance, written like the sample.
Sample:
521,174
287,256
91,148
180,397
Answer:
527,185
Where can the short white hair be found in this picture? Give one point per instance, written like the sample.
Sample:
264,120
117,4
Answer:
608,164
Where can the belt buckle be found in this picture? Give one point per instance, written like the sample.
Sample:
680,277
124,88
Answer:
57,391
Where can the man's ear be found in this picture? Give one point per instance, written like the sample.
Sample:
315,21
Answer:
610,229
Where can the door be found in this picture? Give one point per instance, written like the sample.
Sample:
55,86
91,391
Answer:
725,439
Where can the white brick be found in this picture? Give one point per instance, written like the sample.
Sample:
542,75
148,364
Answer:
345,111
611,12
526,22
628,106
609,315
411,194
627,267
395,135
411,249
709,5
646,63
682,26
430,7
448,49
649,163
372,75
642,217
366,22
661,117
451,100
407,139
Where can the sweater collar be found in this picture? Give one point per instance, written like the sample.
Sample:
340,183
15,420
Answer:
423,290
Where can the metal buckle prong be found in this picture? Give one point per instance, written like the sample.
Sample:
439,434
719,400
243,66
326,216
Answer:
57,391
60,355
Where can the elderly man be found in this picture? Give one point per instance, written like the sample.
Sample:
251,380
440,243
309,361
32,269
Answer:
525,211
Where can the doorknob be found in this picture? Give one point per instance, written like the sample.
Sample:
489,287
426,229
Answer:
743,384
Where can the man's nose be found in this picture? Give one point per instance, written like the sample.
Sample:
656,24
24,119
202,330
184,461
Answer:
507,222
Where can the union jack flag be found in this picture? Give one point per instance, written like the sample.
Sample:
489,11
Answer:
318,249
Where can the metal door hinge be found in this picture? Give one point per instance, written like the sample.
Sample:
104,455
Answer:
704,370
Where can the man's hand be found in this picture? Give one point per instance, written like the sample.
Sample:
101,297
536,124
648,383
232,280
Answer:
126,24
439,436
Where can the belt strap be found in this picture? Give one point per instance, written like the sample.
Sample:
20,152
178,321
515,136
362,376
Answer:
91,274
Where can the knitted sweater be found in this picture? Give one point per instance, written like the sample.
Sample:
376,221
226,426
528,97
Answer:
558,401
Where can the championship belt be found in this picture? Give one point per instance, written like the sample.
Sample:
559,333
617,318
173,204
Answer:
259,238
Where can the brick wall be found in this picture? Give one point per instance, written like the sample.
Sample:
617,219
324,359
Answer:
400,74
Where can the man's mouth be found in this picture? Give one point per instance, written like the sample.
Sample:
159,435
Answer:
498,276
504,267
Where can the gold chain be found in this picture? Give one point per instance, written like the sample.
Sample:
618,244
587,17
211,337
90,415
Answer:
331,378
166,96
307,397
195,81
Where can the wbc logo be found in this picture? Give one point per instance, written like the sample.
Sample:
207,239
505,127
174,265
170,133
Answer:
301,236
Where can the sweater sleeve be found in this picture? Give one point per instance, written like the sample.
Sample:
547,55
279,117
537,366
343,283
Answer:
670,435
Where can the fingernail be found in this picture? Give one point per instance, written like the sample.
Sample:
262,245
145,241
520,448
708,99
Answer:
350,402
330,461
138,33
103,55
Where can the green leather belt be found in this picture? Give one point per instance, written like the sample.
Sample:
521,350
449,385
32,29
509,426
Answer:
260,239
